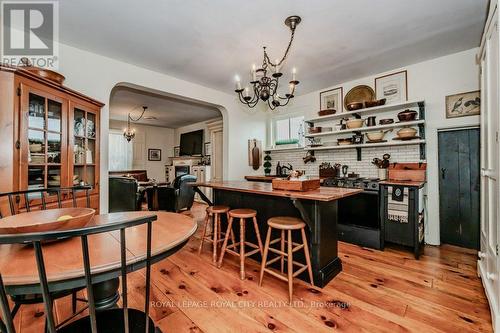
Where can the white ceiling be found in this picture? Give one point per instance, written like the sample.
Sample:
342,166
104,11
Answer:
208,42
169,111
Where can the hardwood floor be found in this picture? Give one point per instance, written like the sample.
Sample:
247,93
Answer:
377,291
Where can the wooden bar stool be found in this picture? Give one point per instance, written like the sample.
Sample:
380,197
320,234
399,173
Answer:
215,237
286,224
243,215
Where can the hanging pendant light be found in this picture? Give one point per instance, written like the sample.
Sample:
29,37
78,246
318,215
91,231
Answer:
129,133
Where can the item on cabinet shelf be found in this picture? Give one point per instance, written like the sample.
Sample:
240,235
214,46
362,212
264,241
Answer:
296,185
309,157
36,147
354,106
326,112
37,159
386,121
354,123
79,153
90,129
407,138
357,138
88,157
377,135
267,164
406,133
343,123
359,94
286,142
313,130
393,87
407,171
378,102
314,142
370,121
326,129
254,153
345,168
344,141
331,99
464,104
407,115
79,127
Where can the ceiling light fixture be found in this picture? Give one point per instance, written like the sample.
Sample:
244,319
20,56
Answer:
129,133
265,87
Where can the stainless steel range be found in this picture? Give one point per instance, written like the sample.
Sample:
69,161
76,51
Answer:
368,184
359,215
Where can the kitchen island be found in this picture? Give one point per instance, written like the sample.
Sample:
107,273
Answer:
318,208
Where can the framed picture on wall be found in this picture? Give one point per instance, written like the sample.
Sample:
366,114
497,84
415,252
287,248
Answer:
393,87
177,151
208,149
154,154
331,99
463,104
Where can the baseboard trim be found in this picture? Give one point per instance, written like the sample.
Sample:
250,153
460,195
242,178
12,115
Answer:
494,309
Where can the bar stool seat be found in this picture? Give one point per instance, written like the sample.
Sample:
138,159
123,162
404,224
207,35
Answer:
242,214
286,224
218,209
213,217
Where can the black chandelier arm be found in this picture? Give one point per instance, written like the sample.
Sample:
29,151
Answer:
144,108
251,103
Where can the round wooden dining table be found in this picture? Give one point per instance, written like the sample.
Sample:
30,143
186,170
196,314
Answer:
64,262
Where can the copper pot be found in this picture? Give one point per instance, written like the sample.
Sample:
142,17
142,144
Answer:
407,115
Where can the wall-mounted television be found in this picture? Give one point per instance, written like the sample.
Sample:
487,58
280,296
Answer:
191,143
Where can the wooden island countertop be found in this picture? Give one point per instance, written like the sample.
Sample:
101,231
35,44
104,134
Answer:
321,194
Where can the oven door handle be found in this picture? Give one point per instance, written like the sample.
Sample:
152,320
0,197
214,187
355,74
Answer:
370,192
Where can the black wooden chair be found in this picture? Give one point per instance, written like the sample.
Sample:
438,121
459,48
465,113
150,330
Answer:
21,201
111,320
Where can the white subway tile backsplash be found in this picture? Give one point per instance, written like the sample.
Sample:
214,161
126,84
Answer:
364,167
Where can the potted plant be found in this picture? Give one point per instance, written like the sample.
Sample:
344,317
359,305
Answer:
267,164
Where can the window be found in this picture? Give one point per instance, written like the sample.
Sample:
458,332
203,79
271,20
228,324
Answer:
120,152
288,129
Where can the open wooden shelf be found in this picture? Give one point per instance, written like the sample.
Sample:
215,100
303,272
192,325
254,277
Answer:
378,109
367,128
368,145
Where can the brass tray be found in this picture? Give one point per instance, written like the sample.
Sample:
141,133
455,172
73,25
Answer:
361,93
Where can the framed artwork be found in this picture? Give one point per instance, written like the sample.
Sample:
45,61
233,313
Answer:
154,154
177,151
331,99
208,149
393,87
463,104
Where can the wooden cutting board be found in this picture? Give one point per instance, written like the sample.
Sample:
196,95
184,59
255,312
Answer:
296,185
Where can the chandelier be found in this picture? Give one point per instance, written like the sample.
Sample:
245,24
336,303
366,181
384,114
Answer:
265,80
129,133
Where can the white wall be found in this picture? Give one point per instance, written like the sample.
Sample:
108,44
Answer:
432,81
151,137
96,75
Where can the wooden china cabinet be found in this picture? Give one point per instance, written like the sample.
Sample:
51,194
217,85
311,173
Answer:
49,136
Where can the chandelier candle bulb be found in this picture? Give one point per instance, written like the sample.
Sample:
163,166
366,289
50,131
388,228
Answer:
246,92
254,73
294,74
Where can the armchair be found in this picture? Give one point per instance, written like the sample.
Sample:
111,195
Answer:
123,194
174,198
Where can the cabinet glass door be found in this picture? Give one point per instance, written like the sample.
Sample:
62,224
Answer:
84,131
42,141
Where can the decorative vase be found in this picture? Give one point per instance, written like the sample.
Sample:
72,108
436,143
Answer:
382,174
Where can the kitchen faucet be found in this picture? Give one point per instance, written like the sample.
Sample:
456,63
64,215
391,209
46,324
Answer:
283,168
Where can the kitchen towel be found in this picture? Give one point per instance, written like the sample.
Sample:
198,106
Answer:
398,193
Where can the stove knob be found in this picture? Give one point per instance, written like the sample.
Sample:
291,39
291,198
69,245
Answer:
374,186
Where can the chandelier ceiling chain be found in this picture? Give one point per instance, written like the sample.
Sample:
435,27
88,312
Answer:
129,133
265,87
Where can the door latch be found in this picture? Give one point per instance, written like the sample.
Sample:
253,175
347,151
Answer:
18,144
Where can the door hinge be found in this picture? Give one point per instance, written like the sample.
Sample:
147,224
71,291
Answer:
497,249
496,136
18,91
18,144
